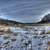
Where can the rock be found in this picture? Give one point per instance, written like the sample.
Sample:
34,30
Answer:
13,40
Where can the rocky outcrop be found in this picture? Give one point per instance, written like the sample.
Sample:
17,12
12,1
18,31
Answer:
45,19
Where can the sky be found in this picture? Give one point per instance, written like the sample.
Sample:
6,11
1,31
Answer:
26,11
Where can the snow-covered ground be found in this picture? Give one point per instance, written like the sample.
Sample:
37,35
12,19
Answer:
21,39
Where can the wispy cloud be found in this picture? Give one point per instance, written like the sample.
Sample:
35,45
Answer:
23,10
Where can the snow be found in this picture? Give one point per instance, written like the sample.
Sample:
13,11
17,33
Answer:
25,40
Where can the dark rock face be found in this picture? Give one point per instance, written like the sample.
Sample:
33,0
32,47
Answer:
46,19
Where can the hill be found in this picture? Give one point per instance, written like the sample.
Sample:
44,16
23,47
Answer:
45,19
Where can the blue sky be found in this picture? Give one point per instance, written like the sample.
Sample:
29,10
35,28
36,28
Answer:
27,11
